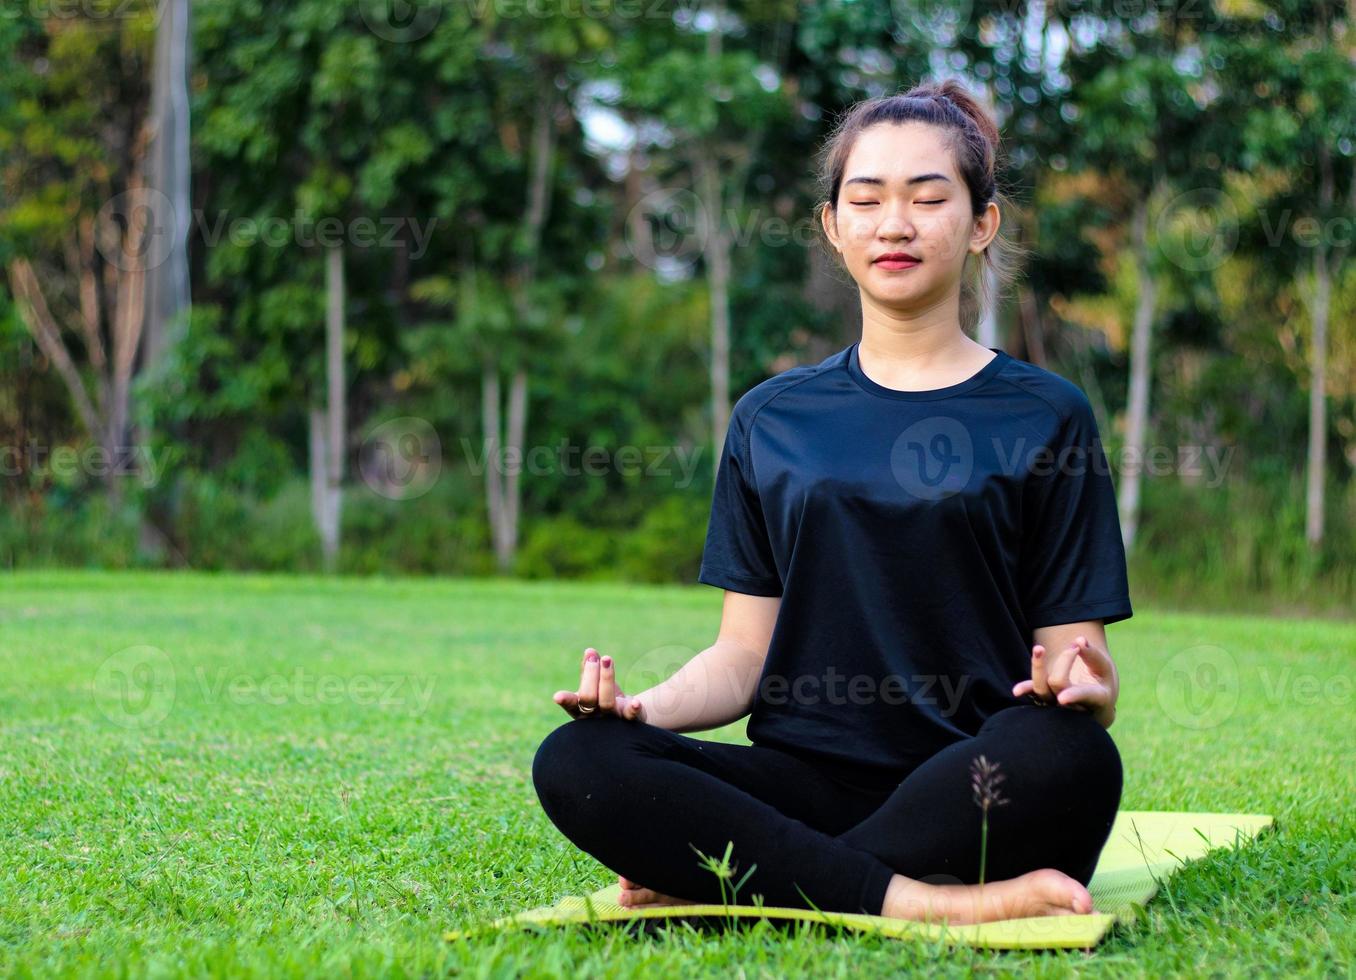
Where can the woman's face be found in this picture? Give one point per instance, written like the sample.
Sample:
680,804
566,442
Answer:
901,193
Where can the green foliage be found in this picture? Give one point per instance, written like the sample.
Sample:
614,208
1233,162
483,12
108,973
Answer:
667,545
442,532
309,112
563,547
1243,542
74,530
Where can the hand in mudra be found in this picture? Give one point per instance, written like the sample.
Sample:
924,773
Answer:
1083,677
598,692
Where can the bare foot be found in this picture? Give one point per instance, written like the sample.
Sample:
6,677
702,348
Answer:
634,895
1036,893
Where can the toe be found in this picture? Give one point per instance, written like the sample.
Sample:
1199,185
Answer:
1082,903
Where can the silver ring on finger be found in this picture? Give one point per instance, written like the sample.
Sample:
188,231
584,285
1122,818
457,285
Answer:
586,710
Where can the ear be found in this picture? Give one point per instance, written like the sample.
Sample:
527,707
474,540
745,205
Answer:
827,219
986,228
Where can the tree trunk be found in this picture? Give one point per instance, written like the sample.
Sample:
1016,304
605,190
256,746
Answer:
1033,327
319,470
1317,467
167,287
494,483
335,421
37,317
128,318
504,497
503,494
717,255
1137,416
517,425
106,422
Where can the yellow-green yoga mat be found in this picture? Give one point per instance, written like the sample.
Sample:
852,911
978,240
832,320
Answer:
1144,848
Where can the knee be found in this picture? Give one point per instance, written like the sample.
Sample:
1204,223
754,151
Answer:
572,749
576,772
554,755
1068,753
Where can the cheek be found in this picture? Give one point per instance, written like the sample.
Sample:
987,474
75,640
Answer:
946,234
858,229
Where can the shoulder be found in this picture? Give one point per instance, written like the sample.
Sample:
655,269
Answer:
749,404
1063,400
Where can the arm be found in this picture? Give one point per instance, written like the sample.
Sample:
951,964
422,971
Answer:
1088,679
716,686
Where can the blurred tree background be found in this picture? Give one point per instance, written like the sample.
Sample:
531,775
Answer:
473,288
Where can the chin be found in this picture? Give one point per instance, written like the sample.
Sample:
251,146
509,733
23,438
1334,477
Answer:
914,283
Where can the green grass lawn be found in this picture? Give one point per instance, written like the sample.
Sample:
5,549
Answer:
315,776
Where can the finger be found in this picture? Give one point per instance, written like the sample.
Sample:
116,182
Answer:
588,683
568,700
632,709
1039,685
607,685
1097,659
1091,695
1023,687
1058,674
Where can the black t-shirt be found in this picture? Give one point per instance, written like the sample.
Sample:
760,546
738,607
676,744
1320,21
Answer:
916,539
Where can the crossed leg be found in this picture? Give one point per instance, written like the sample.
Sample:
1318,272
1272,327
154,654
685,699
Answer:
647,803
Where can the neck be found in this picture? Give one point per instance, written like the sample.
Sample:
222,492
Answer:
917,341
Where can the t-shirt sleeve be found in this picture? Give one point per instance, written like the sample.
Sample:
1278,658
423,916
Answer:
738,552
1073,559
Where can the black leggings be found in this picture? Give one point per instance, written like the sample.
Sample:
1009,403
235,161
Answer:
641,798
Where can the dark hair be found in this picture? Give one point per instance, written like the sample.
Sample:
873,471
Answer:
975,145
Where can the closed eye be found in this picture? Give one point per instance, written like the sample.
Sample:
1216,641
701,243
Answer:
943,201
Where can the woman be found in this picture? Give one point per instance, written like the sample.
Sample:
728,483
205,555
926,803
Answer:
919,547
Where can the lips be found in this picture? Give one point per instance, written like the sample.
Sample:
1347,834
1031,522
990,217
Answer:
897,260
